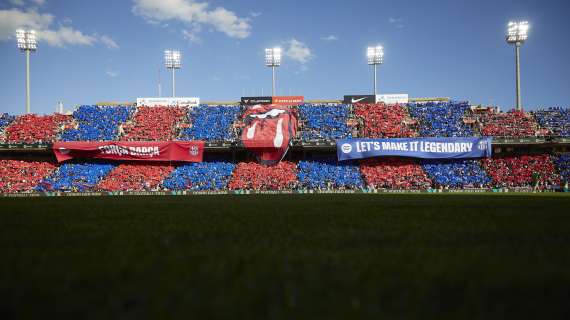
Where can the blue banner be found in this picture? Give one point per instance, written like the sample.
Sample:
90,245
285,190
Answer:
426,148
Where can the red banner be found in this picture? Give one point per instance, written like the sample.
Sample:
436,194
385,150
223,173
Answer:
288,100
189,151
268,131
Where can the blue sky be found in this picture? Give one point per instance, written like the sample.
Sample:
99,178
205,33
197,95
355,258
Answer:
105,50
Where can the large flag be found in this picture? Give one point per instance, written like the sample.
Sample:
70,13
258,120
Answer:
268,130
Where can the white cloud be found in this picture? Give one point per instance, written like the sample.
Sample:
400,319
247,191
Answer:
192,35
255,14
112,74
108,42
298,51
397,22
331,37
195,14
12,19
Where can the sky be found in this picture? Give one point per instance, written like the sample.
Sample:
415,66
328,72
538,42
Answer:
105,50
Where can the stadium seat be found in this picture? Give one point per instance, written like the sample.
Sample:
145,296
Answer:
384,121
555,120
324,121
254,176
441,119
97,123
456,174
329,174
209,175
154,124
76,177
31,128
394,173
562,162
517,171
135,177
211,123
22,176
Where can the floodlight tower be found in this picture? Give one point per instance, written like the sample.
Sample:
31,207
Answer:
27,43
273,60
375,57
517,33
172,60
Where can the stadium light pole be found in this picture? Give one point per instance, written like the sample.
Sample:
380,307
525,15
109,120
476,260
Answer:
273,60
172,61
517,33
375,57
27,43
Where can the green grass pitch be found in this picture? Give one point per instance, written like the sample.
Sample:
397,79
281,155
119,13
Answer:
334,256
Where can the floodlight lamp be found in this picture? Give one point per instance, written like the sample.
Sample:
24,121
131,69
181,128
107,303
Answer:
375,55
273,57
31,40
517,31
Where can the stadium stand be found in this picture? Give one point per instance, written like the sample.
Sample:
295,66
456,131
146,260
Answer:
22,176
209,175
154,124
254,176
508,124
555,120
441,119
456,174
31,128
77,177
385,121
329,174
5,120
521,170
211,123
394,173
562,162
324,121
97,123
135,177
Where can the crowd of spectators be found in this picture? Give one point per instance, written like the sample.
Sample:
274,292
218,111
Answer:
75,177
97,123
324,121
209,175
562,162
555,120
32,128
254,176
508,124
5,120
456,174
329,174
439,119
135,177
211,123
394,173
22,176
522,171
154,124
384,121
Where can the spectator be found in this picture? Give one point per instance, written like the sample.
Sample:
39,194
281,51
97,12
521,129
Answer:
31,128
97,123
394,173
22,176
210,175
508,124
154,124
562,162
441,119
75,177
517,171
324,121
456,174
385,121
329,174
254,176
211,123
555,120
135,177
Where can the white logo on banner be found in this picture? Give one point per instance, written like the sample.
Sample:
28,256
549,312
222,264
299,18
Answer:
346,148
194,150
482,145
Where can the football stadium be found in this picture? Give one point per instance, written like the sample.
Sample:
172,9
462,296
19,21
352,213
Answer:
283,206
